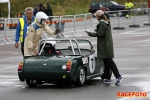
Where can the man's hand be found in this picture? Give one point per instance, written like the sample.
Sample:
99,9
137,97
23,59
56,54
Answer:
16,45
57,31
36,53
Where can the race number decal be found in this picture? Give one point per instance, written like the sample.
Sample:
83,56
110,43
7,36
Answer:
92,63
85,60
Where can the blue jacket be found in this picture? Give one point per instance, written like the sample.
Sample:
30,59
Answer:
35,11
25,28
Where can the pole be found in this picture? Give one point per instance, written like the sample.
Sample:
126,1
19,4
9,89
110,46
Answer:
134,25
149,17
119,28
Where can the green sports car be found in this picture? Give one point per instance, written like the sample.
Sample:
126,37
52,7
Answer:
67,60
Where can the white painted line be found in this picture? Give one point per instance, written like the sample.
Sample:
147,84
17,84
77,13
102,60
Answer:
125,43
133,42
8,68
13,58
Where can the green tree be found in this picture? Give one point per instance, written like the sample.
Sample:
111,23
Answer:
59,7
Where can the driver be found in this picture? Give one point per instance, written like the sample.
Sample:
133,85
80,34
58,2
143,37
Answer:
34,33
49,48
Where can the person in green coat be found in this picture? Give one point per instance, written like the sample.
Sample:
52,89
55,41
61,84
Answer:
105,49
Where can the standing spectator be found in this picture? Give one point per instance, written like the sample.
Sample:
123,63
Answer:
36,9
22,28
129,6
34,33
104,9
49,12
105,47
42,8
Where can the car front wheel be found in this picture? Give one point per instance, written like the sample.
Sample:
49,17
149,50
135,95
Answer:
81,77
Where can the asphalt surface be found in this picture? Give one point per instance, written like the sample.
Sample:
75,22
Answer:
132,56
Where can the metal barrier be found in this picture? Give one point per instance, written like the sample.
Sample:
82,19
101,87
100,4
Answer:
7,23
79,19
141,7
69,24
134,11
134,25
88,22
6,41
68,21
148,17
119,12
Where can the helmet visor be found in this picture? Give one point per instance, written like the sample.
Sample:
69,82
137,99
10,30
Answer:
43,21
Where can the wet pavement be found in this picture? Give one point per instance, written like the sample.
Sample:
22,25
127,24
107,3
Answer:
132,56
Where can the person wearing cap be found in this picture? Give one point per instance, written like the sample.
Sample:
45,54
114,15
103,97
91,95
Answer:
34,33
105,49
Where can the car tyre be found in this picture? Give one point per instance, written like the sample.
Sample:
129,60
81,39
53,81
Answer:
31,83
81,77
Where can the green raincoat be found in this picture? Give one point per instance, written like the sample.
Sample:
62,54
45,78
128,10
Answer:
104,40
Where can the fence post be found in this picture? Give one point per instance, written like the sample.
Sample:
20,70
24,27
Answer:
85,21
134,25
149,17
118,28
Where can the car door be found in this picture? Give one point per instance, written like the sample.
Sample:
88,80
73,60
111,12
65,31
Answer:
93,66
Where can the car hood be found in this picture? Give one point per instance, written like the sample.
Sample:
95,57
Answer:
46,61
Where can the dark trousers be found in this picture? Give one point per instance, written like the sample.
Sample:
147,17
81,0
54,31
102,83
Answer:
22,48
110,65
128,13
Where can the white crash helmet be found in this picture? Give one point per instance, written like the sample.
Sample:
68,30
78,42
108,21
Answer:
40,16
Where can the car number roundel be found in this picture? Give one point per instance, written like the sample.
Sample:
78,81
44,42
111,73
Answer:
91,63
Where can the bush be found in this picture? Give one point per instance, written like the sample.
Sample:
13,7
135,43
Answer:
59,7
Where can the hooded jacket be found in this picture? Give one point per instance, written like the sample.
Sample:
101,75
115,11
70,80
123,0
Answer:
32,39
104,40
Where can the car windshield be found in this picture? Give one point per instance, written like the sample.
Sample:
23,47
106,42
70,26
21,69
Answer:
95,4
115,3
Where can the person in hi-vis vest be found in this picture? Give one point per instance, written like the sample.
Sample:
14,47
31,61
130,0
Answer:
22,28
129,6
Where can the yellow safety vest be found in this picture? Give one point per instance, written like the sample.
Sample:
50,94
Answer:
21,30
129,5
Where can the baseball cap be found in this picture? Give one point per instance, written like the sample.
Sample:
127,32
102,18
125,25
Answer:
98,13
